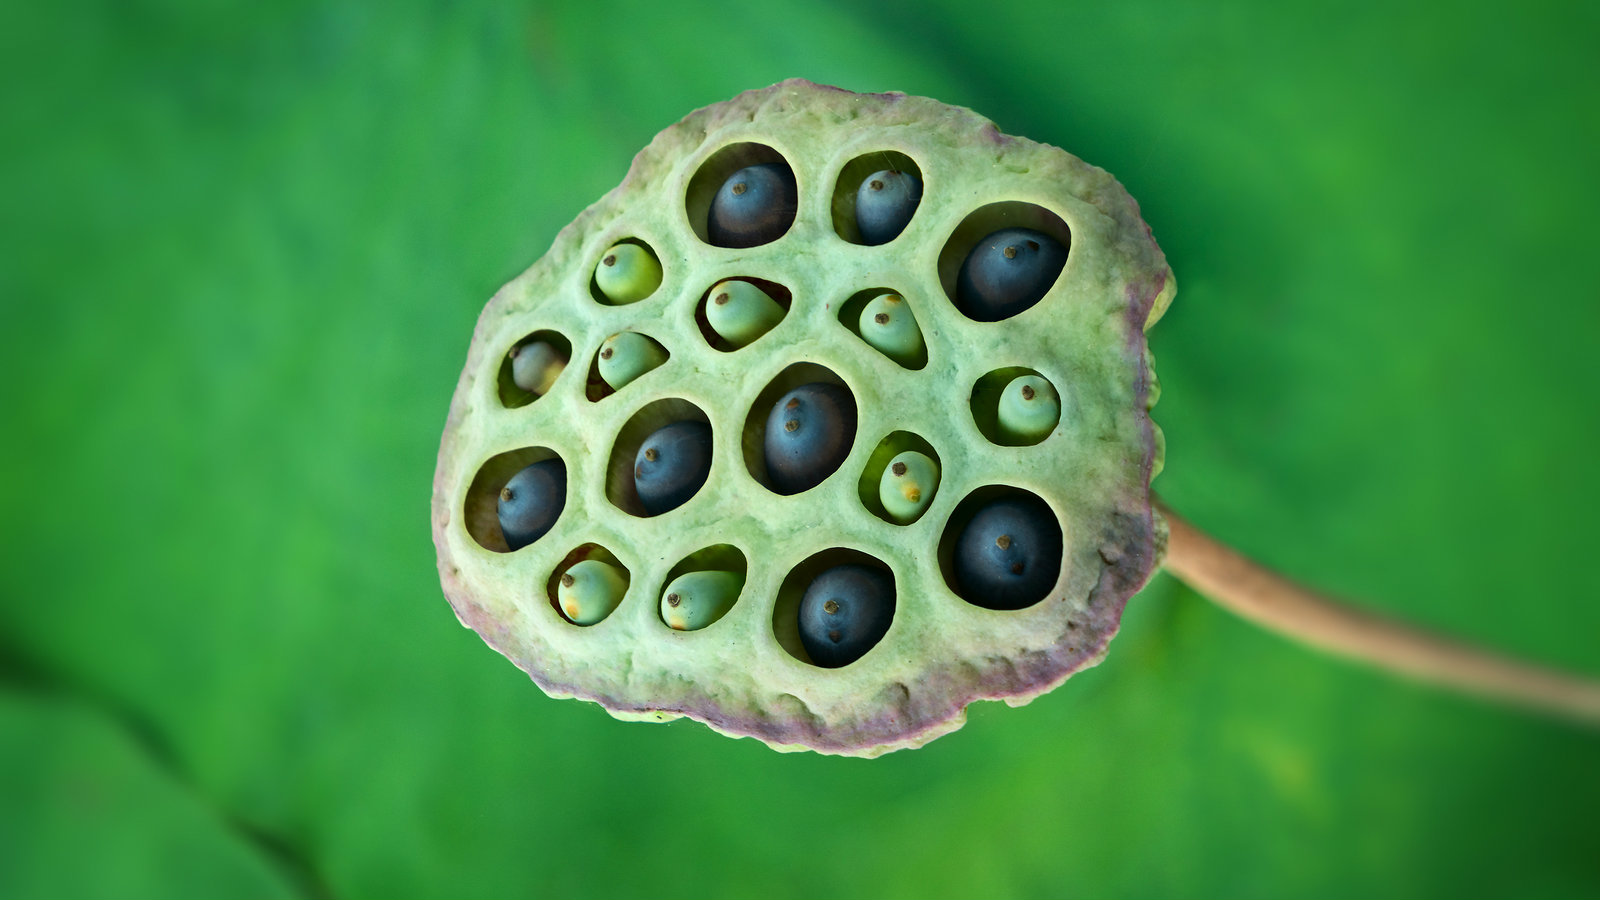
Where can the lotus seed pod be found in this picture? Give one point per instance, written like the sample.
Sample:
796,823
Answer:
888,325
535,367
750,674
627,355
696,599
590,590
740,312
1029,410
627,273
908,485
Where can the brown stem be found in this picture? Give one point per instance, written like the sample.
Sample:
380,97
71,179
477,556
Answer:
1266,598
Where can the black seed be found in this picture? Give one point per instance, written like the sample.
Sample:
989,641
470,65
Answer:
898,468
671,465
531,501
845,612
885,203
1008,272
1009,554
819,425
756,205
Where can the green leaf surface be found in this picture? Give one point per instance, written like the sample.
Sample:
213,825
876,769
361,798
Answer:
245,249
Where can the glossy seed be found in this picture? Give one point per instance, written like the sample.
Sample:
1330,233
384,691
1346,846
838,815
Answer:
696,599
739,312
1008,555
754,206
908,485
590,590
1029,410
1008,272
672,464
626,356
885,203
846,611
627,273
535,366
888,326
531,501
808,435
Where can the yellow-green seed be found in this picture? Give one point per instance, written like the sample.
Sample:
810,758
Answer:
590,590
1029,410
740,312
889,327
626,356
535,366
908,485
696,599
627,273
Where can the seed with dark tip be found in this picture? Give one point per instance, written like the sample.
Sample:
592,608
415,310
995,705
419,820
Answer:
754,206
818,427
881,318
606,353
1008,272
1027,392
845,612
885,203
567,579
531,501
1009,554
610,260
721,298
673,600
898,468
671,465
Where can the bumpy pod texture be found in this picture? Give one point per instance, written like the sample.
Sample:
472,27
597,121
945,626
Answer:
747,674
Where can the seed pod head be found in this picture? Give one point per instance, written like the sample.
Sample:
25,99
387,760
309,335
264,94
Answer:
627,355
535,366
1029,410
739,312
627,273
889,326
589,591
750,674
696,599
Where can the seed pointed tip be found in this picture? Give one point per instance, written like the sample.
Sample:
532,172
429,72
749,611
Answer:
1010,252
507,494
831,607
673,599
881,318
610,260
876,185
606,353
721,298
567,580
791,425
740,188
1027,392
1003,542
898,468
651,454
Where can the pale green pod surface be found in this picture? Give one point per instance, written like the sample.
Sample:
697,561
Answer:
749,674
626,356
590,590
535,367
888,325
908,485
627,273
1029,410
696,599
740,312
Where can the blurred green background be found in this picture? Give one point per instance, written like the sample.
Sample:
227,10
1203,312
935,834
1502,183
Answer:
244,249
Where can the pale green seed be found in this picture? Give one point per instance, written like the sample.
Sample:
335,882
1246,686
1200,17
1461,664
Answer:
696,599
907,486
535,366
888,325
590,590
740,312
627,272
626,356
1029,410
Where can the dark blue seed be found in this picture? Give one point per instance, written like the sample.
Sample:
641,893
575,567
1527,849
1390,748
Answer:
756,205
844,613
671,465
884,205
809,433
1008,272
531,502
1009,554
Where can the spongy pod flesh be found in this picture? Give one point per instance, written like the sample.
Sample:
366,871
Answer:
748,673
